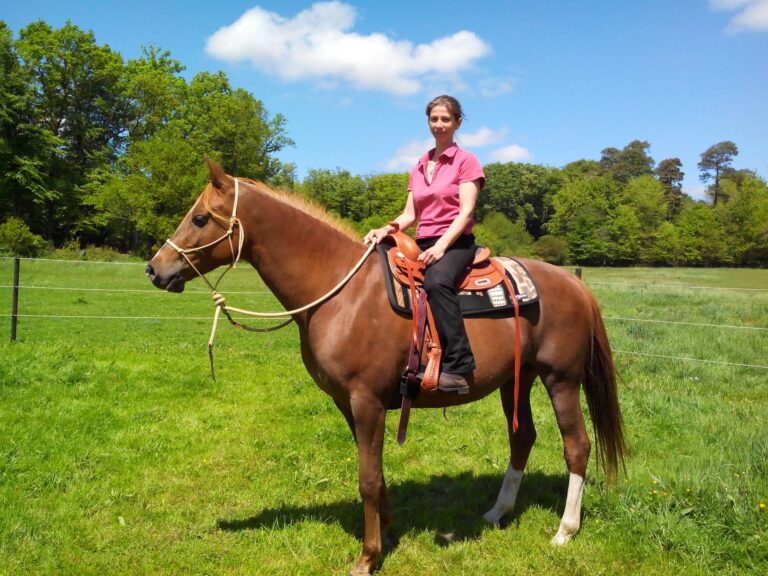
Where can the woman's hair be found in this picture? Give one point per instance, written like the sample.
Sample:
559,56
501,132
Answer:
449,102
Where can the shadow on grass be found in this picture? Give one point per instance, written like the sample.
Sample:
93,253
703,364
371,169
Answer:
450,506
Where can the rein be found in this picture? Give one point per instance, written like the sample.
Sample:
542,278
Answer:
219,300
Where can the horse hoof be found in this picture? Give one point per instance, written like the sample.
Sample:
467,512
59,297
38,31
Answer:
492,518
560,539
358,571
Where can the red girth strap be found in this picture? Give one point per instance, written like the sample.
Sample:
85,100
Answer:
518,343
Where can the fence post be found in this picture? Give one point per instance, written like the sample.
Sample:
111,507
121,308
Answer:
578,273
15,302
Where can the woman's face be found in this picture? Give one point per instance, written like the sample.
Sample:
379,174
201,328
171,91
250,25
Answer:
442,124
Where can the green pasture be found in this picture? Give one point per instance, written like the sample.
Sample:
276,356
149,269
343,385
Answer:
119,454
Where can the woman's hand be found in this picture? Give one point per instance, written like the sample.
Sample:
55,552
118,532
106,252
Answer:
432,255
376,235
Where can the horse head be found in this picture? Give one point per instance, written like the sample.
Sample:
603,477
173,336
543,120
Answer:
209,236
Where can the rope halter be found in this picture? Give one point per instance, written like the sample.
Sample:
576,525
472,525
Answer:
232,221
219,300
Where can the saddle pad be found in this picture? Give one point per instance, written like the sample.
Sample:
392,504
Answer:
475,302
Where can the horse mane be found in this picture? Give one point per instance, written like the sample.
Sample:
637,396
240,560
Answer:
305,205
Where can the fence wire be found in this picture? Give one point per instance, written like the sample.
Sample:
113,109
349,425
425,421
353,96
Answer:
267,293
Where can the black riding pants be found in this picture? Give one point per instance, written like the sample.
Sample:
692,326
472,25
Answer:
440,281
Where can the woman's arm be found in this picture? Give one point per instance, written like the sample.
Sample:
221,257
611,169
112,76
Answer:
468,192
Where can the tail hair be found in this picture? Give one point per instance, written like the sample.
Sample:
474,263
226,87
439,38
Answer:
602,397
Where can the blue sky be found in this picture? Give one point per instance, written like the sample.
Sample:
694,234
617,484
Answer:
545,82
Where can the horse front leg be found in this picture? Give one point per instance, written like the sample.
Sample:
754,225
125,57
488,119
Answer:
385,509
368,415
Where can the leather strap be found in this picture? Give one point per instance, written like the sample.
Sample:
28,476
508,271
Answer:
518,343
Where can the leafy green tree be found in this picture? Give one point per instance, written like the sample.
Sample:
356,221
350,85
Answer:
25,148
77,102
716,162
667,249
582,209
624,233
339,191
630,162
745,218
517,191
384,195
154,90
702,236
670,174
580,169
551,249
645,196
503,237
232,126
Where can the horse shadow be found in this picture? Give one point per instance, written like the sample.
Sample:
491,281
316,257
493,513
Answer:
451,507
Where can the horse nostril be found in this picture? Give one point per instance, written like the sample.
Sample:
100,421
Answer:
149,270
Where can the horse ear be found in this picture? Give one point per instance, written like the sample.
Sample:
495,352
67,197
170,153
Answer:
217,174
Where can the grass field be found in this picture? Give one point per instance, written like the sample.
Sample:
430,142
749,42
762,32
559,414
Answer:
119,455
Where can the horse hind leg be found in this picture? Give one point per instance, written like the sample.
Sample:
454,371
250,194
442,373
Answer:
520,445
564,395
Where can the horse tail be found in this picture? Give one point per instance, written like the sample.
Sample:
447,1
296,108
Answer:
602,397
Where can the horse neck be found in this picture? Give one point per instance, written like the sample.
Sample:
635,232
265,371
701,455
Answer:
299,256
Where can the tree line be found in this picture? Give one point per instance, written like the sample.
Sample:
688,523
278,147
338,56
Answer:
98,150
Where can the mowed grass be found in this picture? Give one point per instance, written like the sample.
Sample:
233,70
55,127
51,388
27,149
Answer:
119,454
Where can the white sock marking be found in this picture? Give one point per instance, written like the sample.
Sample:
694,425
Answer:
571,520
505,501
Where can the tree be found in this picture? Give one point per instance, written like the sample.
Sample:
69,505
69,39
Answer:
551,249
630,162
745,218
671,175
154,90
24,147
702,236
582,210
667,248
645,197
232,126
624,232
339,192
517,191
715,162
503,237
77,109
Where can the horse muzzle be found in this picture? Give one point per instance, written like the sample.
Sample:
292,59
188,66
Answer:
171,283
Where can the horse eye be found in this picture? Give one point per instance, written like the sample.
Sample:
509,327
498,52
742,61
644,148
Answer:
200,220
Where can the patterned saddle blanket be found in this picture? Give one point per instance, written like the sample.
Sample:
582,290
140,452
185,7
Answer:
481,292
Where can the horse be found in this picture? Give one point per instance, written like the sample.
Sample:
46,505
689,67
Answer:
355,346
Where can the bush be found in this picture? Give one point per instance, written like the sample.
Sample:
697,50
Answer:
16,239
551,249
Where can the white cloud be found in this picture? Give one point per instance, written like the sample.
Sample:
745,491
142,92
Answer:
408,154
752,14
511,153
318,43
483,137
695,191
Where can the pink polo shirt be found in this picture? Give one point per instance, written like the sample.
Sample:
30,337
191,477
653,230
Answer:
437,204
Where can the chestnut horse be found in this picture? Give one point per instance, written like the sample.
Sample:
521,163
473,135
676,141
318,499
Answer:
355,346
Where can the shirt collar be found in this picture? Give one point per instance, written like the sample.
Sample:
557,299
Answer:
449,152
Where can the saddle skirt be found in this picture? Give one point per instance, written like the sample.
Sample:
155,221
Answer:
482,290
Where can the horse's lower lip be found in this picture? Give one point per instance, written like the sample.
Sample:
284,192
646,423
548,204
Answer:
175,285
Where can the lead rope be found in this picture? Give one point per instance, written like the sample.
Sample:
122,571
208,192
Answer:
220,301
